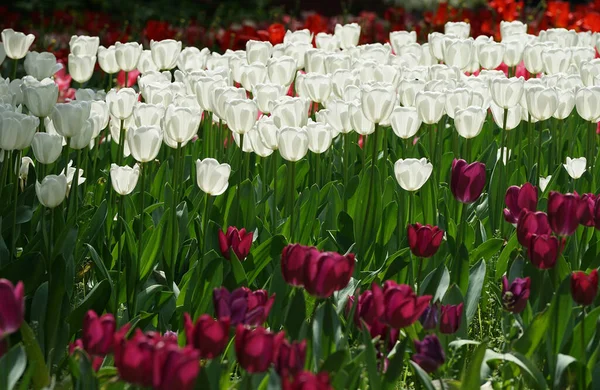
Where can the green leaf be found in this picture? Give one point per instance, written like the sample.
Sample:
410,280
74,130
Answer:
248,205
502,264
95,300
476,281
527,367
308,213
335,362
152,247
395,366
590,329
295,314
422,376
488,249
238,270
562,362
436,283
371,360
99,263
12,367
470,379
269,252
35,358
534,334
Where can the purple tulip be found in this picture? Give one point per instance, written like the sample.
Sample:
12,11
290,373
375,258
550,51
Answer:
467,180
519,198
429,353
515,295
564,212
12,307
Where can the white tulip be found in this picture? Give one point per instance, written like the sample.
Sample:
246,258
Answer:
506,92
460,29
41,65
575,167
412,173
281,70
302,36
360,123
566,102
145,63
264,94
258,144
46,147
348,34
544,182
541,102
258,51
212,177
39,96
587,103
81,68
292,143
241,115
128,55
52,190
16,44
165,53
144,142
84,45
290,112
399,39
430,106
320,136
107,59
69,119
328,42
469,121
268,132
405,121
378,101
124,179
513,118
121,102
181,123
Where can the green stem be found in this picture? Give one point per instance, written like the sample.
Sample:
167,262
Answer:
345,164
539,153
15,65
5,164
174,239
16,201
502,167
140,238
583,350
121,148
73,198
530,147
292,178
120,222
318,169
274,210
126,79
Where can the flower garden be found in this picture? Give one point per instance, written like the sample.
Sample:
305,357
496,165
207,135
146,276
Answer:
406,201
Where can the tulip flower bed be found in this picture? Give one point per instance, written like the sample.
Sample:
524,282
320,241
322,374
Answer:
314,214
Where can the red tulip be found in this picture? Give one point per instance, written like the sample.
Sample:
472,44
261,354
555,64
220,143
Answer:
243,306
307,381
292,263
98,333
563,213
424,240
584,288
207,335
531,222
256,348
237,240
327,272
515,295
519,198
467,180
402,306
276,33
450,318
78,344
370,306
12,307
290,358
429,353
175,368
543,250
586,209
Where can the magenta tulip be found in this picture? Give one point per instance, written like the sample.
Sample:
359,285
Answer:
430,317
584,287
467,180
12,307
293,260
175,368
515,295
563,212
239,241
290,358
543,250
208,335
424,240
587,210
402,306
327,272
530,223
98,333
429,353
450,318
307,380
519,198
256,349
243,306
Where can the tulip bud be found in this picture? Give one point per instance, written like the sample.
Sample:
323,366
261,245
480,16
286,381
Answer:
490,54
566,102
239,241
292,143
242,306
458,52
281,70
327,42
17,130
506,92
69,119
12,310
575,167
337,115
424,240
430,106
378,101
587,102
264,94
212,177
84,137
543,250
39,96
258,51
469,121
405,121
256,348
402,306
16,44
327,272
81,67
318,87
174,367
429,354
128,55
348,34
586,210
107,59
530,223
541,102
518,199
556,60
241,115
412,173
252,75
52,190
290,358
97,333
124,179
144,142
319,136
467,180
165,53
208,336
46,147
515,295
41,65
584,288
293,260
563,213
450,318
121,102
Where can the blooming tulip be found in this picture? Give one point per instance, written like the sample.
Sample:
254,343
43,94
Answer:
543,250
530,223
16,44
450,318
513,50
318,87
124,179
338,116
258,51
398,39
208,336
566,102
128,55
144,142
46,147
327,272
39,96
265,93
52,190
121,102
430,106
256,348
405,121
84,137
302,36
467,180
239,241
12,309
518,199
430,317
412,173
429,353
532,57
490,54
348,34
292,143
165,53
408,91
84,45
587,209
563,213
242,306
212,177
281,70
575,167
469,121
587,103
81,67
327,42
175,368
369,307
377,101
17,130
460,29
506,92
252,75
541,102
97,333
314,61
69,118
41,65
424,240
513,119
319,136
584,287
181,123
556,59
290,112
458,52
293,260
107,59
306,380
290,358
402,306
360,123
241,115
515,295
192,59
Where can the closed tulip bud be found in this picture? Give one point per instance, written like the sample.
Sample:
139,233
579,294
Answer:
17,130
318,87
258,51
174,367
314,61
327,42
81,67
290,358
69,119
515,295
84,45
429,354
12,310
409,90
256,349
532,57
450,318
541,102
207,335
490,54
290,112
165,53
402,306
52,190
584,287
264,94
212,177
97,333
39,96
121,102
563,212
586,210
430,106
514,117
575,167
430,317
292,143
587,102
302,36
467,180
181,123
241,115
107,59
124,179
293,263
378,101
508,29
518,199
543,250
144,142
242,306
41,65
469,121
320,136
327,272
405,121
252,75
532,223
348,34
82,139
16,44
566,102
556,60
506,92
412,173
424,240
458,52
268,132
239,241
399,39
360,123
128,55
281,70
46,147
513,50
